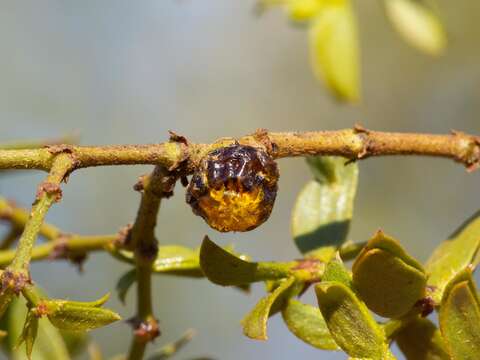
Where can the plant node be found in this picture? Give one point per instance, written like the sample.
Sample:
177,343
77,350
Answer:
145,331
13,281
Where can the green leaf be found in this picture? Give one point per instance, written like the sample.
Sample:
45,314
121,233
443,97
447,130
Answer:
350,250
75,341
6,294
48,345
323,210
306,323
421,340
93,304
224,268
385,279
29,333
336,271
95,353
301,10
453,255
124,284
382,241
351,325
177,260
459,317
417,24
78,316
5,300
171,349
255,323
334,50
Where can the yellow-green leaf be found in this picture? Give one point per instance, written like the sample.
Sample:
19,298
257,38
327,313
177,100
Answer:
78,316
95,303
334,50
417,24
29,333
306,323
382,241
459,317
323,210
336,271
171,349
95,353
453,255
48,345
224,268
255,323
301,10
350,323
75,341
124,284
6,297
421,340
177,260
387,279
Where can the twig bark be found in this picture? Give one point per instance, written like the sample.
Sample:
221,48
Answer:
357,143
142,240
17,218
16,276
48,193
64,248
60,244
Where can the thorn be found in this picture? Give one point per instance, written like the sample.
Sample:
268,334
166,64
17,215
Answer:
358,128
174,137
140,184
456,132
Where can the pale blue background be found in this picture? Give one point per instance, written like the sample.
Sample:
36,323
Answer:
126,72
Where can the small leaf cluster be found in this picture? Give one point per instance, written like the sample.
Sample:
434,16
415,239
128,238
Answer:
384,281
334,40
56,327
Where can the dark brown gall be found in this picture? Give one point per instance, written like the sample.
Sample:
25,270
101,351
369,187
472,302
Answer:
234,188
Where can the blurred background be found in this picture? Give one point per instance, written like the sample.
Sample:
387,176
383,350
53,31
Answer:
127,72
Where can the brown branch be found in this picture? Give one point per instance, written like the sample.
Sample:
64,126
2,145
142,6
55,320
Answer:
357,143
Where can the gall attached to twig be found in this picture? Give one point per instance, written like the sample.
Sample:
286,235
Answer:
234,188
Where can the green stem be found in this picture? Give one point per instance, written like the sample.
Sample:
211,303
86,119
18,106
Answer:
18,217
144,310
155,186
74,244
31,294
46,197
